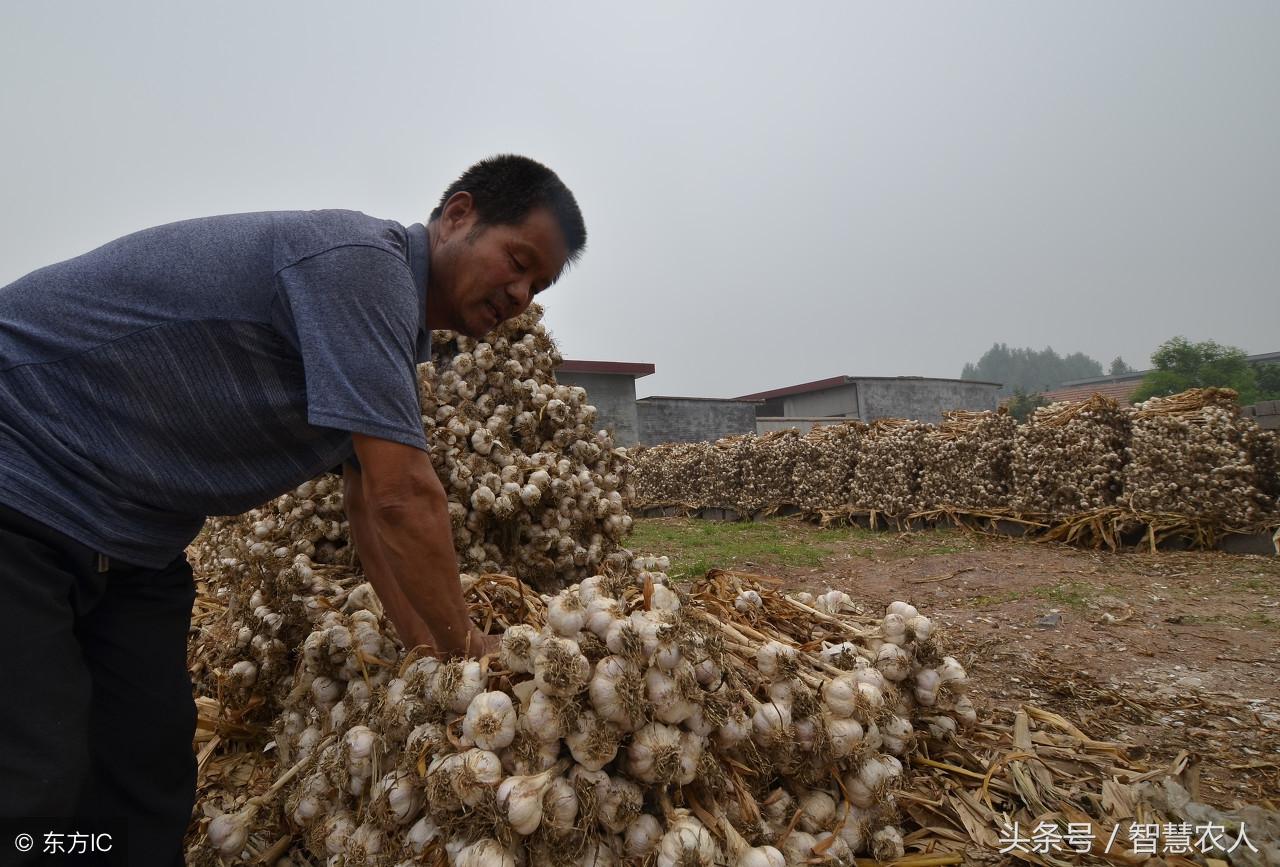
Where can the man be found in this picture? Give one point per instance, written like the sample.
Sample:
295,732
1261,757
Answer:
202,368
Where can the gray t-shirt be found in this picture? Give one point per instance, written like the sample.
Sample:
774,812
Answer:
201,368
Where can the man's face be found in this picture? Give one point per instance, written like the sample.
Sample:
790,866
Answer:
490,273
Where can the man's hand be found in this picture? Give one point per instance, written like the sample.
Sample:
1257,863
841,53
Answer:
483,644
399,517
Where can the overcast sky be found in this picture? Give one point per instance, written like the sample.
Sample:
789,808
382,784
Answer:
774,193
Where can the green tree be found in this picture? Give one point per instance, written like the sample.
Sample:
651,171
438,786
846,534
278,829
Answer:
1180,364
1268,378
1029,370
1021,405
1119,367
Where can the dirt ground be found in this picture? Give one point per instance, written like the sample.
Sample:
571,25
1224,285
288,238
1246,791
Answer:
1164,653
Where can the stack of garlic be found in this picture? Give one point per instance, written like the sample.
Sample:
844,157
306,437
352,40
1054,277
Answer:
768,465
1069,458
667,475
887,476
532,489
621,721
1193,455
826,457
515,451
967,459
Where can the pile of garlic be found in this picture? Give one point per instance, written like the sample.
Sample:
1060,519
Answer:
532,488
886,478
1069,458
826,459
967,461
1197,458
1190,454
623,721
532,485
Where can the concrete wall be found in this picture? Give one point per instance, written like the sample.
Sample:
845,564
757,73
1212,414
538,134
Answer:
841,400
687,420
1265,413
614,397
921,399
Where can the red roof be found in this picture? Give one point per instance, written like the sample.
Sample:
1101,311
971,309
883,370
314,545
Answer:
1117,391
622,368
802,388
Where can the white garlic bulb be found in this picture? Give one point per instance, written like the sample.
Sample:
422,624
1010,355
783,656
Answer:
490,721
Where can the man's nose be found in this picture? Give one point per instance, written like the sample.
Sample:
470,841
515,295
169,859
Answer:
520,293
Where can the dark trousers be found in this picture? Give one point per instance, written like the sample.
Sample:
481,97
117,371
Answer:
96,713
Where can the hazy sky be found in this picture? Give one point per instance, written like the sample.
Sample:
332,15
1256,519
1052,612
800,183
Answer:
774,192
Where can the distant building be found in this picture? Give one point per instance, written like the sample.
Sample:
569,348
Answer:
1121,388
693,419
868,398
611,388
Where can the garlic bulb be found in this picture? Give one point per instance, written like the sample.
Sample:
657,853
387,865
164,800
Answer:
595,742
953,675
478,771
833,602
797,848
541,719
841,695
776,660
423,832
887,845
905,610
761,856
893,662
844,736
485,853
620,803
490,722
559,805
517,648
559,668
519,799
617,692
771,723
817,809
747,601
664,599
687,843
654,753
456,683
642,836
566,614
229,833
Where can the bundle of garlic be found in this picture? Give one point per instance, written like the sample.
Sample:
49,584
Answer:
1193,454
671,474
966,461
887,476
767,470
515,451
622,720
822,477
1069,457
532,489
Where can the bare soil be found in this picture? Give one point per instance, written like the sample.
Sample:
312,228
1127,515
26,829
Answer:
1162,653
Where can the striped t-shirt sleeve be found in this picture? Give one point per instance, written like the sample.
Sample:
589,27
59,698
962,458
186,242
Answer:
355,311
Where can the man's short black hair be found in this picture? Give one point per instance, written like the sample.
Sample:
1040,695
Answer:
505,188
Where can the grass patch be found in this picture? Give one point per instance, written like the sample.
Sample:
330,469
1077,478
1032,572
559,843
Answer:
1073,593
695,545
986,601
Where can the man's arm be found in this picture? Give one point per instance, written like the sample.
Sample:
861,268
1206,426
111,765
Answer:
412,629
400,522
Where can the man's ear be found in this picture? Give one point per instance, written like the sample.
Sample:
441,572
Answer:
458,213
